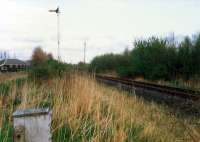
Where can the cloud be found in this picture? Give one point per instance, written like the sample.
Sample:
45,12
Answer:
29,40
107,25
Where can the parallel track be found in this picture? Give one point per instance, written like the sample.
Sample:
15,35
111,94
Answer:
170,91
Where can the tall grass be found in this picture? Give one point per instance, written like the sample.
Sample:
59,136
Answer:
11,76
84,110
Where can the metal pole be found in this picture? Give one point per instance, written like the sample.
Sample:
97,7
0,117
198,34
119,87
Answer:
57,11
58,35
85,44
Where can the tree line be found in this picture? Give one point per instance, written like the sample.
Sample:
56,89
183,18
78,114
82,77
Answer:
154,58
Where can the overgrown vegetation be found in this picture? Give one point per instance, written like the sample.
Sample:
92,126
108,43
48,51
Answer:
43,66
84,110
154,58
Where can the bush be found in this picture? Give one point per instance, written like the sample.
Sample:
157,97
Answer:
107,62
42,72
82,67
48,69
43,66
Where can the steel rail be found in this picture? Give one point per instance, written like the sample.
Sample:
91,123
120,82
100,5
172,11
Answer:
167,90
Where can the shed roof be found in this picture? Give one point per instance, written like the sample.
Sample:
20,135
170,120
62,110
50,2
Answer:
13,62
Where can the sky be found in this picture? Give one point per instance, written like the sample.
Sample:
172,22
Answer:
108,26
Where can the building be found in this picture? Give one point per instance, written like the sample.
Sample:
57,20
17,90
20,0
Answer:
12,65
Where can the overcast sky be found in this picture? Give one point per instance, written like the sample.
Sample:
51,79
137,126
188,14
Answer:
107,25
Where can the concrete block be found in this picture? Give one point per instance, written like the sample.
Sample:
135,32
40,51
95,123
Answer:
32,125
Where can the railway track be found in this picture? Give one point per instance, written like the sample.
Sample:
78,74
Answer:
187,95
172,92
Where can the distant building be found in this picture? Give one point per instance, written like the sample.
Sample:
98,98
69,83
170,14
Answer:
13,65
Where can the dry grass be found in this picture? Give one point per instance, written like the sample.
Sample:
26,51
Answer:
11,76
84,110
193,84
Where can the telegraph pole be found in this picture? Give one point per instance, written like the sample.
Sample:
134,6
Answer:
57,11
85,45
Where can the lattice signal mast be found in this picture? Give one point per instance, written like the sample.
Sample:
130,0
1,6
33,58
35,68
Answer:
57,11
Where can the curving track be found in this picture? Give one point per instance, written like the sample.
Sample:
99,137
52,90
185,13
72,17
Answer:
165,90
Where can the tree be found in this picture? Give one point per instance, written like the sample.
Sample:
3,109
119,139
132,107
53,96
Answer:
39,56
149,58
196,54
107,62
44,66
154,59
185,59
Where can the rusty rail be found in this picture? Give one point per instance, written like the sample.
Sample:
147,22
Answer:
171,91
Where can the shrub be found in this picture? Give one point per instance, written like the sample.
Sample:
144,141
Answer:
43,66
48,69
39,56
107,62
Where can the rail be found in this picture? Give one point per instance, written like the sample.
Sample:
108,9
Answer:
172,91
